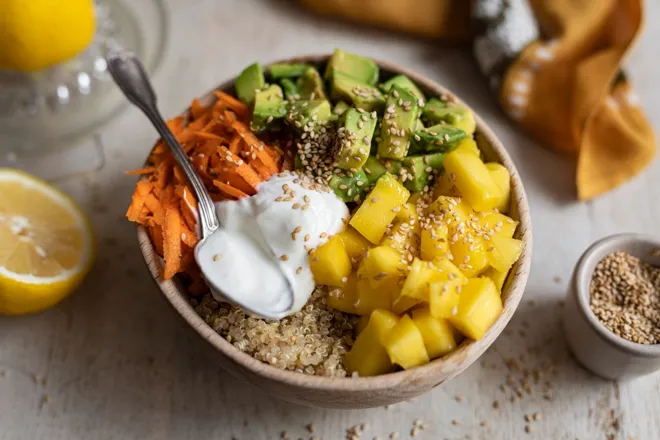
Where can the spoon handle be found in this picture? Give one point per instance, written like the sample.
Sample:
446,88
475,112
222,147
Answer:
128,73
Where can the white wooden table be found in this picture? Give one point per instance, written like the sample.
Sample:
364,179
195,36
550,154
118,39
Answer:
113,362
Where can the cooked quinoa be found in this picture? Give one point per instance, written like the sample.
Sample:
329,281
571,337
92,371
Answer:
312,341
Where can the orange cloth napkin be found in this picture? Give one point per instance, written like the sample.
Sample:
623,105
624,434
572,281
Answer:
554,64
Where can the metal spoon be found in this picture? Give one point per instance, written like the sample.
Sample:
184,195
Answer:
128,73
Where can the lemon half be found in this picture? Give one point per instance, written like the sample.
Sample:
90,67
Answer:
46,244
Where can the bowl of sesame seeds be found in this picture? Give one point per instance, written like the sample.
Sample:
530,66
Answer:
256,350
612,313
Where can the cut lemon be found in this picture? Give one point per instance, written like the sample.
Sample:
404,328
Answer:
46,244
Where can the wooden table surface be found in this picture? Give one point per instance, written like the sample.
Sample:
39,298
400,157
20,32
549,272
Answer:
113,362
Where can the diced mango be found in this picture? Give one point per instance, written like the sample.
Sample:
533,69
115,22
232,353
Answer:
444,288
377,211
370,298
416,286
380,264
504,252
478,308
454,210
502,178
469,145
330,263
408,212
368,355
345,298
405,345
402,237
362,324
498,277
473,180
434,243
354,243
471,258
445,187
501,224
437,333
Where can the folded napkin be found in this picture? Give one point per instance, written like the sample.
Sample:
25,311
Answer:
555,66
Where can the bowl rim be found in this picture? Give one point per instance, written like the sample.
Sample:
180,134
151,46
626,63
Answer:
447,366
583,271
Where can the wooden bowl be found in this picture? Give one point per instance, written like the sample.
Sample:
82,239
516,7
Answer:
362,392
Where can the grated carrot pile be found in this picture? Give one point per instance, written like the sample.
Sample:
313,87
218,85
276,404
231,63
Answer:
231,161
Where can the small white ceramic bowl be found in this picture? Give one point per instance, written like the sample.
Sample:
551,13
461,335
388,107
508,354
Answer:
596,347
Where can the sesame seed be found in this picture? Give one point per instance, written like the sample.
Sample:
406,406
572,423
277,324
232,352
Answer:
216,257
284,257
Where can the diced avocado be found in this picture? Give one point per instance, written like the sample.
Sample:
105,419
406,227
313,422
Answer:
354,143
297,162
340,108
438,112
362,69
420,168
251,79
311,85
268,106
349,185
301,113
405,83
374,168
419,125
345,87
441,137
281,70
290,88
399,121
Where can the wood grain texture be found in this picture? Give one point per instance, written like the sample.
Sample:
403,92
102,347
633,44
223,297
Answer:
116,363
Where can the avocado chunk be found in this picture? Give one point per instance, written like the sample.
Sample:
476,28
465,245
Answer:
441,137
399,121
362,69
374,168
283,70
437,112
420,125
291,90
250,80
405,83
309,113
311,85
340,108
354,142
349,186
418,169
268,106
364,96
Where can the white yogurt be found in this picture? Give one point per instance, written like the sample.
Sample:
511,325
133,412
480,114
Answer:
254,256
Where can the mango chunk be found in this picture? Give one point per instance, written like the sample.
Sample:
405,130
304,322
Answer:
478,308
502,178
330,263
470,257
345,298
368,355
380,264
500,224
504,252
377,211
444,288
402,237
452,210
362,324
405,345
445,187
469,145
498,277
473,180
354,243
437,333
370,298
415,287
434,243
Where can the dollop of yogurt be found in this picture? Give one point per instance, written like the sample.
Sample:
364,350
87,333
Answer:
262,246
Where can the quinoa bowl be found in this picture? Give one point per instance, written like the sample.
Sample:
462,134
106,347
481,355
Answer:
357,392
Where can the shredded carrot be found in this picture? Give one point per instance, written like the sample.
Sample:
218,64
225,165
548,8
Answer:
231,160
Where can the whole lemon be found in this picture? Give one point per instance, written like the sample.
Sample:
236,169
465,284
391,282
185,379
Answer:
36,34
